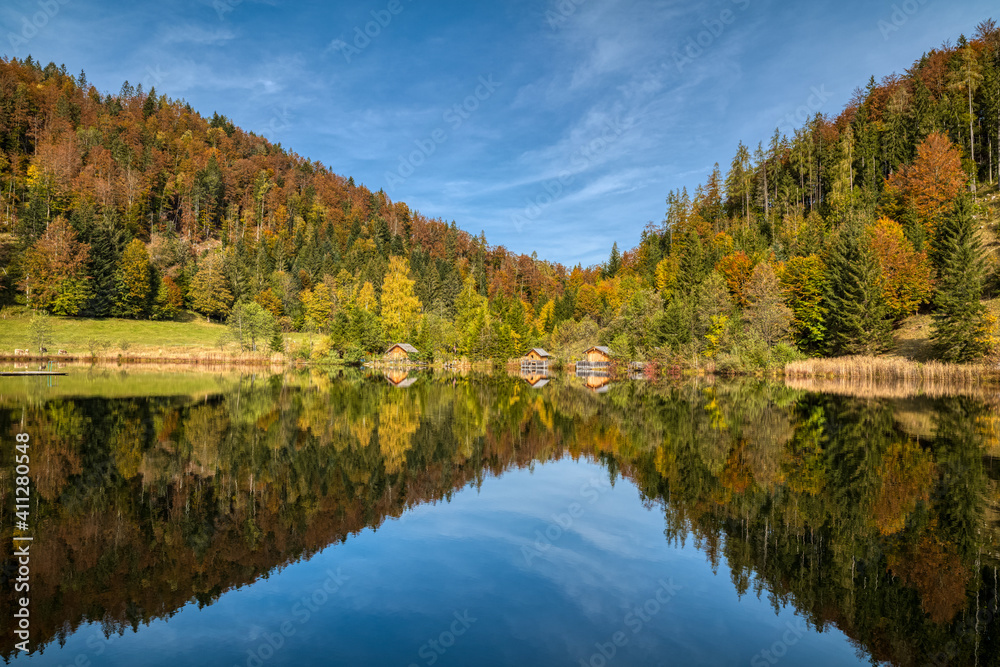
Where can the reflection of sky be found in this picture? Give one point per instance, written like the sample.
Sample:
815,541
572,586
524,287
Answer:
407,579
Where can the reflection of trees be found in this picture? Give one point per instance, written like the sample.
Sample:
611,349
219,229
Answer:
833,505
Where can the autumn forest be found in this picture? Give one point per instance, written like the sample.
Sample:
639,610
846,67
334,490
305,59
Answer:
133,205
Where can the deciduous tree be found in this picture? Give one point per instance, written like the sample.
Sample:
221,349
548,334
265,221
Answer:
804,283
210,293
906,273
133,282
400,306
54,272
766,313
927,188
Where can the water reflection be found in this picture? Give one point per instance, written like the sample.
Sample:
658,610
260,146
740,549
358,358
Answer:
400,379
876,517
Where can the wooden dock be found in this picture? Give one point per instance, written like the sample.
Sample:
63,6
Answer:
29,373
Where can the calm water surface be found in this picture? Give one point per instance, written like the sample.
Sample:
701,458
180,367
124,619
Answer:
349,519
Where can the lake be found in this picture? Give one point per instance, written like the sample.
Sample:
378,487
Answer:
347,518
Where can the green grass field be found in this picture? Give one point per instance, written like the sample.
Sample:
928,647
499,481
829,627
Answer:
139,336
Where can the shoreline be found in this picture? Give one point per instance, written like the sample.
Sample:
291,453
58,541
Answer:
882,371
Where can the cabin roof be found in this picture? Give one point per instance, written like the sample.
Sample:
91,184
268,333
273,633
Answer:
599,348
406,347
539,351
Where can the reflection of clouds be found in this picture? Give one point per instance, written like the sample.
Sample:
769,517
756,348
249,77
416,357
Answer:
501,518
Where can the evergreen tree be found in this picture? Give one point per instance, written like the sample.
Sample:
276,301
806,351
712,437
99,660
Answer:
858,318
105,248
962,327
614,262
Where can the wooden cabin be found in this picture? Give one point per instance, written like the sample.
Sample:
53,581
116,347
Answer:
400,352
597,355
537,354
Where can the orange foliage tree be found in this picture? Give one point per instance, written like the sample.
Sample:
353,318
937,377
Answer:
906,274
927,188
55,277
736,268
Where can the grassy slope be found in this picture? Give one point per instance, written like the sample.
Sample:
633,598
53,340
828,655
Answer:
74,335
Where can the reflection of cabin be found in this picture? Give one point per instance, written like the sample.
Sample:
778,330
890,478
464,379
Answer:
598,383
594,377
400,352
536,380
400,379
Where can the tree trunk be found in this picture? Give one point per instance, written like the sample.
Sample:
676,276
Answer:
767,208
972,142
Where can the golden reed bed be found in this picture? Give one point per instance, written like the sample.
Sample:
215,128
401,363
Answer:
888,377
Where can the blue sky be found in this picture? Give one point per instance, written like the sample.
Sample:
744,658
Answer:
556,127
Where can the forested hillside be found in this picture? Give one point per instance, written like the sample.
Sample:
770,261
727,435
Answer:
133,205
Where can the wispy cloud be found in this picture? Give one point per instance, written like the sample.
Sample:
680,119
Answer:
271,68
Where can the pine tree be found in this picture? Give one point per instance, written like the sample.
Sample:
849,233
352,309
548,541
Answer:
739,182
962,329
858,318
614,262
105,248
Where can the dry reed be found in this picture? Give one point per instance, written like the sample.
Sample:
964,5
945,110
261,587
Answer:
888,377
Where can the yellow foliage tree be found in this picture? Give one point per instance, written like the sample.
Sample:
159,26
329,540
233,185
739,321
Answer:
318,305
365,299
400,305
